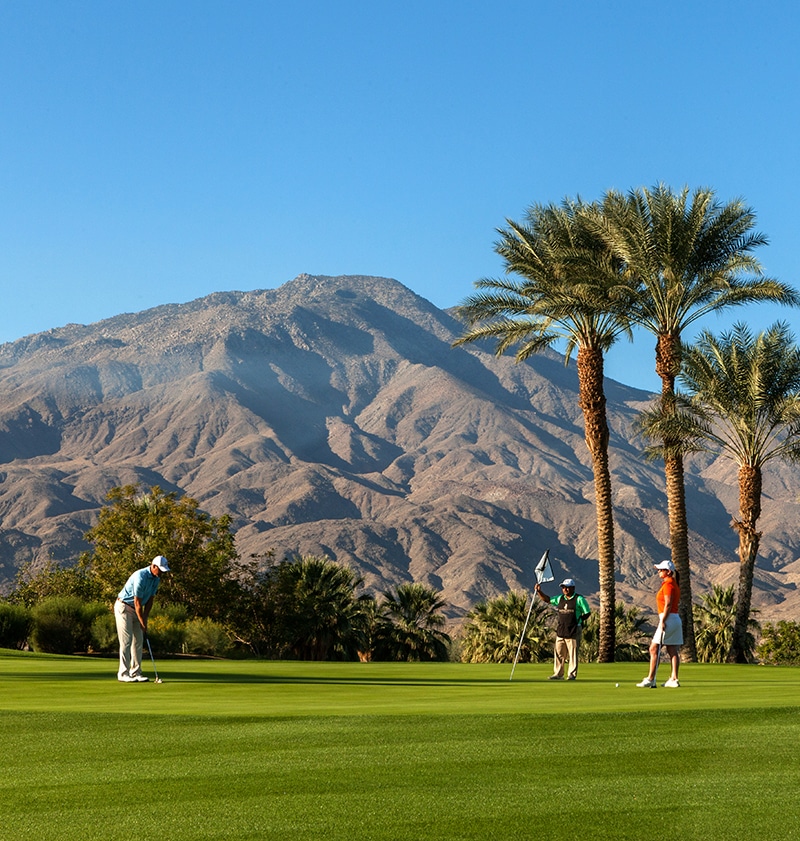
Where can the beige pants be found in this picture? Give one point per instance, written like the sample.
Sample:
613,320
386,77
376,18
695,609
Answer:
566,650
131,639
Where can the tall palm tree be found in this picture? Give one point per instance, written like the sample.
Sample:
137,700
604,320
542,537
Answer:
686,256
744,393
568,289
415,627
492,630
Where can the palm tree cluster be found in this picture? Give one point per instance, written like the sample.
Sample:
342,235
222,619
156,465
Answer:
587,273
632,636
714,619
307,608
493,631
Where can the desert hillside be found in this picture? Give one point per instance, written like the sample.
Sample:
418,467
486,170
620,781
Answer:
333,416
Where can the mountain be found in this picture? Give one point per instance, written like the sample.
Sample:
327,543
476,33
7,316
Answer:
332,416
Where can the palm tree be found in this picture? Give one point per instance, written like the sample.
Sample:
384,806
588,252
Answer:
492,630
568,289
632,637
369,627
318,612
744,401
714,620
686,256
415,627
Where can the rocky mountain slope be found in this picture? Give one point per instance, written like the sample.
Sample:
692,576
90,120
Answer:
333,416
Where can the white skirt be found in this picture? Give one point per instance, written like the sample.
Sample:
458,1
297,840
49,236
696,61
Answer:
673,632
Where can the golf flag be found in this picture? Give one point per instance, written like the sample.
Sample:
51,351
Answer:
543,571
543,574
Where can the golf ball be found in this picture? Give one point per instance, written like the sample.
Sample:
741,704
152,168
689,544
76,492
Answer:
617,685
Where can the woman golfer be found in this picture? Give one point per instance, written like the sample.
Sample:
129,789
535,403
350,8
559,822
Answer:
669,631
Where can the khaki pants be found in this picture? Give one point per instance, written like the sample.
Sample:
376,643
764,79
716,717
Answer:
566,650
131,639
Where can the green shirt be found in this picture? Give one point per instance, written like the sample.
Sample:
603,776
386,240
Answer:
582,609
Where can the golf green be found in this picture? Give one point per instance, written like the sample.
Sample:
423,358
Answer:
269,750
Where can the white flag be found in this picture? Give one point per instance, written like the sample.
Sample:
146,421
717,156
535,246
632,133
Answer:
543,571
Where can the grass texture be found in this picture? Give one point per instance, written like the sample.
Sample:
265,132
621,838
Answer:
265,750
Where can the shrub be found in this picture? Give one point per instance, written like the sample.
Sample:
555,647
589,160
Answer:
204,636
104,637
167,631
15,625
780,644
62,624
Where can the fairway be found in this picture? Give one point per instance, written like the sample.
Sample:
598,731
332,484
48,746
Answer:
282,750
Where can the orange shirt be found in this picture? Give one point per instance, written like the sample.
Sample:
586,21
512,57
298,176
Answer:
669,592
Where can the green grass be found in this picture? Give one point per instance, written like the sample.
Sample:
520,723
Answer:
246,750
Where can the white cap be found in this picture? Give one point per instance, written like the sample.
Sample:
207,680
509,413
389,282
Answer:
668,565
161,562
567,582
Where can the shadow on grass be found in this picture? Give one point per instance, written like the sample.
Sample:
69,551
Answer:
62,673
204,677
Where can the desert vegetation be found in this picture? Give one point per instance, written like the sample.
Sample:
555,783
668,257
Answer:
306,607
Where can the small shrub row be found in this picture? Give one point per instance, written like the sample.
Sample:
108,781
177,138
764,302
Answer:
15,625
780,644
67,624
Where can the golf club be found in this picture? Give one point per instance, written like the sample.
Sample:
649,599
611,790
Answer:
152,659
658,658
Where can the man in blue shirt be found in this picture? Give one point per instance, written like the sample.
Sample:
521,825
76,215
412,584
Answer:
131,610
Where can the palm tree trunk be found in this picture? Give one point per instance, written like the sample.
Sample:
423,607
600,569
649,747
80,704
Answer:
667,367
593,404
679,544
749,540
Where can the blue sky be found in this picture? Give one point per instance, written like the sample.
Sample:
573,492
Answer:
154,152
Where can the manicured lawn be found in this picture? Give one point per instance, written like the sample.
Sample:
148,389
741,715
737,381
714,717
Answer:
246,750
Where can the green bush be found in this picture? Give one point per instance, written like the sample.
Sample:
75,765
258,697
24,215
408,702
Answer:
167,632
15,625
204,636
54,625
104,637
780,644
63,624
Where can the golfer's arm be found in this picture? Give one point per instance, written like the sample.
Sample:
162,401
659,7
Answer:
142,610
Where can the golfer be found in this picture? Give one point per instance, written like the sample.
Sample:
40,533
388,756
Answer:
573,610
131,610
669,631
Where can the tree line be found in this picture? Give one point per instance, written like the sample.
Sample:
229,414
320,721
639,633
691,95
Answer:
305,607
213,601
588,273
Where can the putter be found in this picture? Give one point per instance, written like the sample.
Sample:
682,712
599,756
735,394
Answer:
658,658
152,659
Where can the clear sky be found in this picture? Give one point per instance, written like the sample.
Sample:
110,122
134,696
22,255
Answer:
157,151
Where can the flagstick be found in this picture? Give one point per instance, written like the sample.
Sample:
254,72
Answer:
522,636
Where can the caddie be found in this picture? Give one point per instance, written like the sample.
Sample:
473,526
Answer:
572,612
